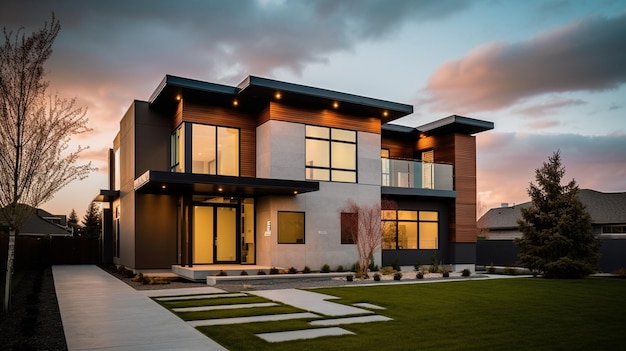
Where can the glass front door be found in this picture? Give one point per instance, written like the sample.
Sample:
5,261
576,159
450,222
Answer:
215,234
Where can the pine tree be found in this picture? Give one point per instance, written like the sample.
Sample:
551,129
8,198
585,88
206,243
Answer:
557,238
92,224
72,222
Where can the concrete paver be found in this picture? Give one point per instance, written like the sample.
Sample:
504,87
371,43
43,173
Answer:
101,312
252,319
368,305
309,301
351,320
224,307
303,334
199,297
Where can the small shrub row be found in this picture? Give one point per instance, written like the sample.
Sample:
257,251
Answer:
145,280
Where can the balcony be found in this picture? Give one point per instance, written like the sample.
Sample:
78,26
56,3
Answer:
418,175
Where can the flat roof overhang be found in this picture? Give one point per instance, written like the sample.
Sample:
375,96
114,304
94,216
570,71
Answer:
172,183
456,124
255,93
107,195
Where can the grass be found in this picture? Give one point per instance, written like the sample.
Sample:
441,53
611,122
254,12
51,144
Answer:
503,314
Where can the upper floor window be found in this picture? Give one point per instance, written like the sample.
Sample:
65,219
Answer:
177,150
330,154
214,150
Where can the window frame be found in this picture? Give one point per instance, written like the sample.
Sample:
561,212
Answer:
330,170
396,221
278,230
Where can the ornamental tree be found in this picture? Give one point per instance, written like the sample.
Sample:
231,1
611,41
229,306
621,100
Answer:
35,130
557,239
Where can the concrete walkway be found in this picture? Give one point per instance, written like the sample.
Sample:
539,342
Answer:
100,312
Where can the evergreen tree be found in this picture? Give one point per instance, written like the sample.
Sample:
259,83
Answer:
92,224
72,222
557,238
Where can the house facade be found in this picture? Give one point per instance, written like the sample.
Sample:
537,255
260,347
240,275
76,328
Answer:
257,174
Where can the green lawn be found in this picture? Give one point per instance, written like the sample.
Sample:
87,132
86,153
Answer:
503,314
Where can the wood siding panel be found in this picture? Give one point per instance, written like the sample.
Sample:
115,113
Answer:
232,118
326,118
465,179
398,148
178,115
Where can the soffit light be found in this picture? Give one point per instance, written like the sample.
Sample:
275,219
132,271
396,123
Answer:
335,104
177,97
235,103
278,95
385,113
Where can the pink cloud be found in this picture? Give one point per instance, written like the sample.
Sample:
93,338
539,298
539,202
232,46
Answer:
507,161
587,55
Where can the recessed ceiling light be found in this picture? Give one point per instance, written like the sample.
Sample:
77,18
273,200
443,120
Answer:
278,95
335,104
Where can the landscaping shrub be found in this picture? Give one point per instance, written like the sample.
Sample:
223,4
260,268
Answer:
362,276
396,264
244,272
260,272
274,270
372,267
325,269
386,270
355,267
397,276
491,269
466,273
417,267
349,277
377,277
340,268
158,281
222,273
419,275
140,278
445,274
510,270
306,269
292,270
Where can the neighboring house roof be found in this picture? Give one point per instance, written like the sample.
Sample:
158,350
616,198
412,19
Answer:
41,222
604,208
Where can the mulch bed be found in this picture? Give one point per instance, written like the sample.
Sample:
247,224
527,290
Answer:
33,321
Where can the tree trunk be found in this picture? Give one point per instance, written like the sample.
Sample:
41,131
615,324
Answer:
9,275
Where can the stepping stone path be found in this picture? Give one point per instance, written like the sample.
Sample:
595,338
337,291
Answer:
315,304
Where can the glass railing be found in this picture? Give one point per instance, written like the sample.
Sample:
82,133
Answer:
416,174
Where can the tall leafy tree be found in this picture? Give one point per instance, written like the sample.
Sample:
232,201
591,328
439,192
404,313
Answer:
557,238
92,224
35,130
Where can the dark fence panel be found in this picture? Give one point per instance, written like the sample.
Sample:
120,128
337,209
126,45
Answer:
504,252
498,252
35,252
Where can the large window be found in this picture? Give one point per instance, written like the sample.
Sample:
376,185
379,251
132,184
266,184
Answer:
290,227
330,154
214,150
403,229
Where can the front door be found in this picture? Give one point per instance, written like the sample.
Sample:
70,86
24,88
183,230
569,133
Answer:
215,234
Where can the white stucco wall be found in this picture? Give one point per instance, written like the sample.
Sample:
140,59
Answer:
280,152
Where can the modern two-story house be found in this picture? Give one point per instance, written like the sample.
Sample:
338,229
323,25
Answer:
257,174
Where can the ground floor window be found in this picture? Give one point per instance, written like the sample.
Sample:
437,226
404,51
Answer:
407,229
290,227
349,227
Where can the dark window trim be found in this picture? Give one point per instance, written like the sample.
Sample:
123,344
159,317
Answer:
418,221
348,236
330,140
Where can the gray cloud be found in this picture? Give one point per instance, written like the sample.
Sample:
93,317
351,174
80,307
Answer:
548,108
586,55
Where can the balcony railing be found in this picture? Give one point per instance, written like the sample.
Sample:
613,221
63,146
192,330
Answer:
416,174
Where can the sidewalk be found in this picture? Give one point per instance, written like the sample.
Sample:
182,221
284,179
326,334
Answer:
100,312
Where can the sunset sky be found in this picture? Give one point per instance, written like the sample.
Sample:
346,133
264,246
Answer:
550,74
